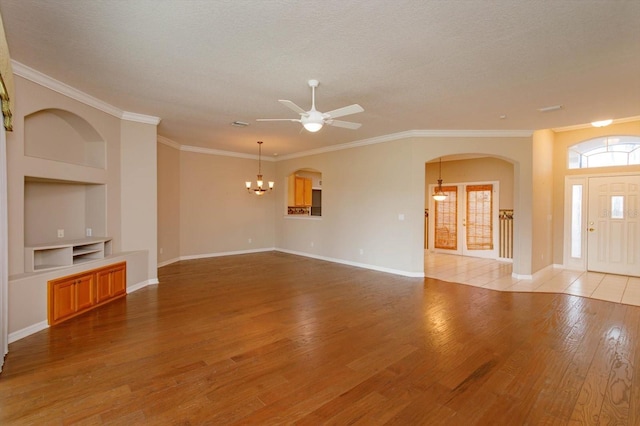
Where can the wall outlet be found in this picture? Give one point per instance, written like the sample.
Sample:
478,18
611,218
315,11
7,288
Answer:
161,250
361,251
60,233
89,232
250,240
401,216
312,244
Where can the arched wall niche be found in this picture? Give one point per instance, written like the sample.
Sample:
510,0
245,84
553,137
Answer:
60,135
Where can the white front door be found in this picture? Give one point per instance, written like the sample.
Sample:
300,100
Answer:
465,223
613,225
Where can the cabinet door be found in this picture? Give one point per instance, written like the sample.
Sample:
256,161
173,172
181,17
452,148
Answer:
299,191
302,192
103,285
63,300
119,279
308,193
84,292
111,282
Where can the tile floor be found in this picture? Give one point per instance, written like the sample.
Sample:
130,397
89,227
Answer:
496,275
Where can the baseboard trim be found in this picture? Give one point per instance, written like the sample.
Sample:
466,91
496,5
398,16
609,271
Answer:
34,328
207,255
356,264
521,276
140,285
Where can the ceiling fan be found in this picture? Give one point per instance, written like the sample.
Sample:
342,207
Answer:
313,120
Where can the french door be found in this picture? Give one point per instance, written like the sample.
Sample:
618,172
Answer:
465,223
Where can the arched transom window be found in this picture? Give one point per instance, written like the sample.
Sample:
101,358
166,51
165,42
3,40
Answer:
605,151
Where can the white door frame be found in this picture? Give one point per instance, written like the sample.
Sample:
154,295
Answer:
4,253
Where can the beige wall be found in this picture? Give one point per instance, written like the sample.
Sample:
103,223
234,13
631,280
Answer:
564,139
49,206
134,207
168,204
367,189
473,170
217,215
542,244
139,194
33,97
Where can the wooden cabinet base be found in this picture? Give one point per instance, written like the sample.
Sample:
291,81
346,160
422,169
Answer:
75,294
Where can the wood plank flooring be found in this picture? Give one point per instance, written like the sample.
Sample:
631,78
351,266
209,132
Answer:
272,338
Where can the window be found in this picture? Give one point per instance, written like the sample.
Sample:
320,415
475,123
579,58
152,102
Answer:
479,217
446,220
576,221
605,151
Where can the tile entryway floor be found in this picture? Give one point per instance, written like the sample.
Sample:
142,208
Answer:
496,275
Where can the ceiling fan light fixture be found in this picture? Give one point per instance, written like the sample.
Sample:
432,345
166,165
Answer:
312,127
314,120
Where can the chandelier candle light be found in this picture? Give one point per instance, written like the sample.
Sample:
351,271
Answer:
439,194
259,190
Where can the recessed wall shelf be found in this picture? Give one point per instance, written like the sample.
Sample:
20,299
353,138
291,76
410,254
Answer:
44,257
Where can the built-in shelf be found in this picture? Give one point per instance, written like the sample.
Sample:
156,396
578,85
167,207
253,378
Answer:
63,254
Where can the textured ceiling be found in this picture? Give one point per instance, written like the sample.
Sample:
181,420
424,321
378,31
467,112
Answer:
412,65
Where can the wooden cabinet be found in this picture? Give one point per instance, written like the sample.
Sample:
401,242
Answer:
110,282
74,294
300,192
69,296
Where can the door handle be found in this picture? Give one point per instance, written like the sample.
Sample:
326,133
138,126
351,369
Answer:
592,229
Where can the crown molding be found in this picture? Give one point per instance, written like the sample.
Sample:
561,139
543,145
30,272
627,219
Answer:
168,142
415,134
140,118
208,151
371,141
64,89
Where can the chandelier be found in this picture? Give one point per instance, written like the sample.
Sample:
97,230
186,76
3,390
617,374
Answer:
259,190
439,194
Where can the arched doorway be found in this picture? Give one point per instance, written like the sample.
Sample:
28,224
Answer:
476,218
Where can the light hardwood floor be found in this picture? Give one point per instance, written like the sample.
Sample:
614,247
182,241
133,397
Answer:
273,338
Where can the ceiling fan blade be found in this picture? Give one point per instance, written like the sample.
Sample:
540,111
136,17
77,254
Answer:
345,124
292,106
278,119
340,112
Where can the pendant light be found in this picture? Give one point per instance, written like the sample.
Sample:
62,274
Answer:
439,194
259,190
